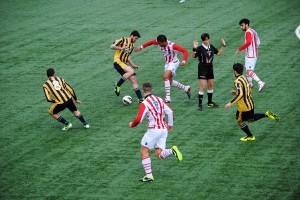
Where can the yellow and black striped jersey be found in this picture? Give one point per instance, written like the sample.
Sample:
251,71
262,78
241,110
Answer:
243,97
123,55
57,90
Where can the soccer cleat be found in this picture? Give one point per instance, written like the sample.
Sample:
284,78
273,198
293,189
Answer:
272,116
200,107
212,105
67,127
261,86
146,179
247,138
117,90
177,153
86,126
188,92
141,100
167,100
181,1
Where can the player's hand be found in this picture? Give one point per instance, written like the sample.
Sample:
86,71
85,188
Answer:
232,92
183,63
238,51
170,128
223,42
196,44
130,123
227,106
134,66
78,102
138,49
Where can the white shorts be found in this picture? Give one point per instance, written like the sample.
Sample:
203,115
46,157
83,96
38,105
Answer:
250,63
155,138
172,66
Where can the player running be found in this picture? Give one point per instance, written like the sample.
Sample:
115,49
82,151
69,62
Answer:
170,51
154,109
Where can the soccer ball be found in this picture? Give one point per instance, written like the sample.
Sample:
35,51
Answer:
127,100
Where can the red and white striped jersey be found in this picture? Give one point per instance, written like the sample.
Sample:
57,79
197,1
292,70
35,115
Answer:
170,52
154,108
251,43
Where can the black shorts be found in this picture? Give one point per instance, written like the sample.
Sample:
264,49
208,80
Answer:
120,69
245,116
56,108
205,73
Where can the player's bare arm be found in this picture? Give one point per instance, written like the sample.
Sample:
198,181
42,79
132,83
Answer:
138,49
196,44
132,64
223,47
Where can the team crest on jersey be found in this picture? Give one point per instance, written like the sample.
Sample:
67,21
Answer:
209,56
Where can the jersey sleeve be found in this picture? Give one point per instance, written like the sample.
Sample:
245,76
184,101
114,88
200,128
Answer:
239,93
119,42
182,50
149,43
216,51
248,41
169,113
140,116
70,90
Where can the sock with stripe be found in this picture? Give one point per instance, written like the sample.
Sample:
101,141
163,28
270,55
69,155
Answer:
81,118
167,88
146,161
62,120
121,81
210,95
165,153
179,85
254,76
245,128
200,97
259,116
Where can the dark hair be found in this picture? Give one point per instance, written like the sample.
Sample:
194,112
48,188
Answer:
135,33
204,36
244,21
147,87
238,67
161,38
50,72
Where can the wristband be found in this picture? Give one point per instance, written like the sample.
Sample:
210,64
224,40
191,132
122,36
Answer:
194,49
142,47
224,45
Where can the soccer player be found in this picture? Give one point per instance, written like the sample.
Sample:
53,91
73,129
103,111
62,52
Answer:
61,94
245,103
124,47
251,45
170,51
205,53
154,108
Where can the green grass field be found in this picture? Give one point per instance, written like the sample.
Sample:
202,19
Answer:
39,161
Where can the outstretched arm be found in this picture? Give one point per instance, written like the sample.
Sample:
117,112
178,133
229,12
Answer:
149,43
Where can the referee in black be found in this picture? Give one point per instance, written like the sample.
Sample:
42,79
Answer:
205,53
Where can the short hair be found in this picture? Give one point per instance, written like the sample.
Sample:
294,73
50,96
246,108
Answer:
161,38
147,87
135,33
204,36
244,21
50,72
238,67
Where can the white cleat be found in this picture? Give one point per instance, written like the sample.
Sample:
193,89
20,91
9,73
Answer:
261,86
182,1
86,126
67,127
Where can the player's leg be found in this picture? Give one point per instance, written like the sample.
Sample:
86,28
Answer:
147,143
125,72
173,67
135,86
210,88
202,85
71,106
167,81
53,112
241,117
250,66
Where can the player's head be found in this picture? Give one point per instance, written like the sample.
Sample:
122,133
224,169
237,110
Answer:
147,88
162,40
50,72
205,38
134,35
238,68
244,24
